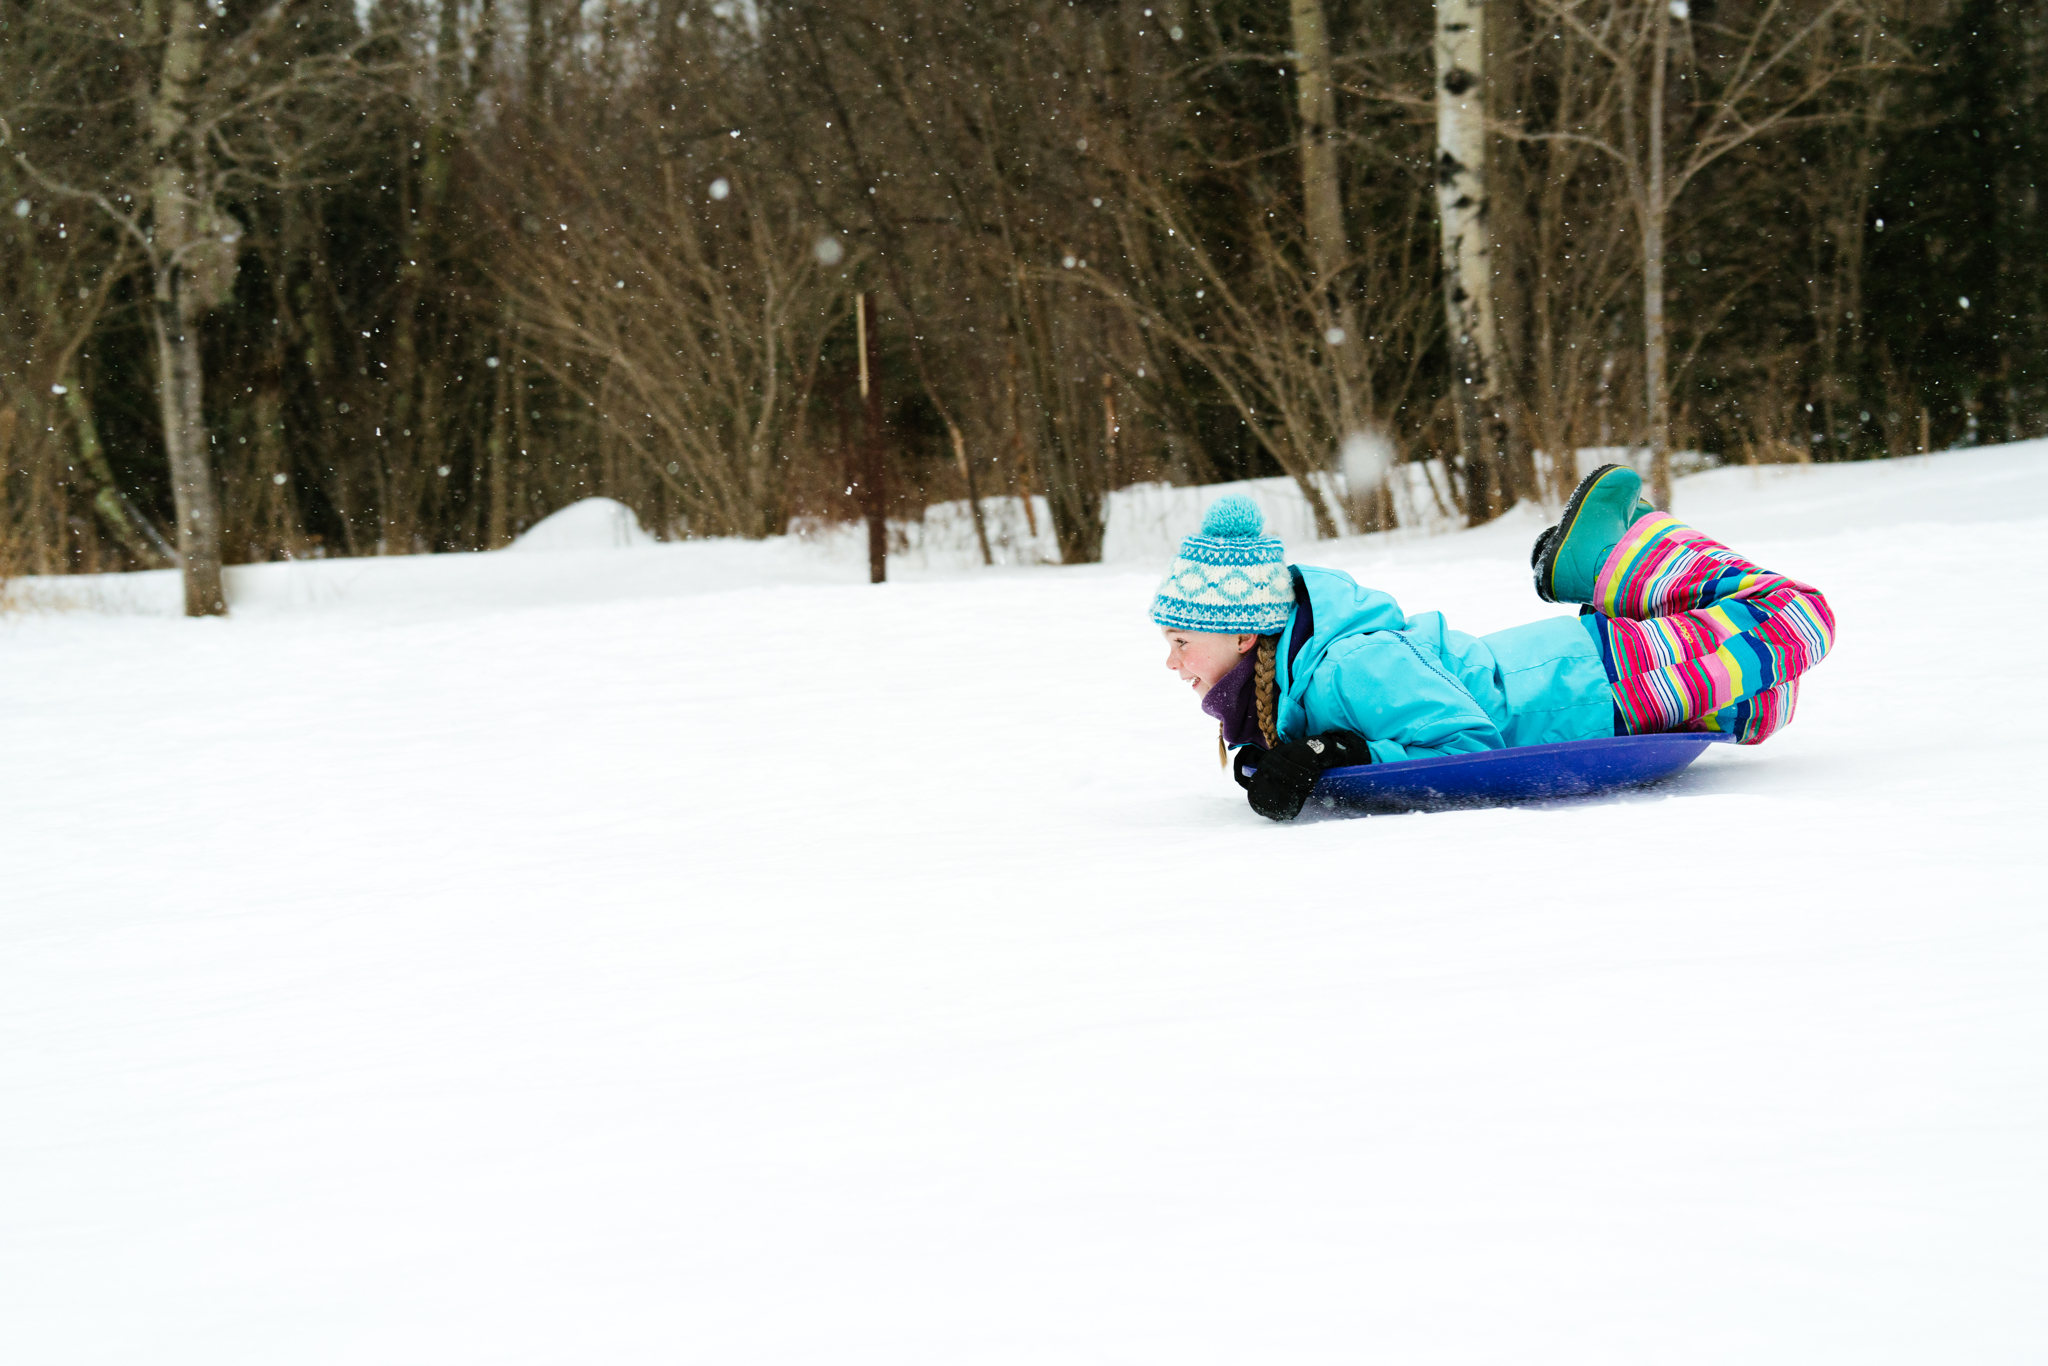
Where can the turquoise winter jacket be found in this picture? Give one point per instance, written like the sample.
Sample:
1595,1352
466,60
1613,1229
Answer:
1416,689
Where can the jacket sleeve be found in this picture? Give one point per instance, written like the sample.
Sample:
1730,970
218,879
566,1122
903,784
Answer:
1406,704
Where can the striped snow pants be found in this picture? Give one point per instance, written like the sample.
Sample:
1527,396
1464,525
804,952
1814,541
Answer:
1697,638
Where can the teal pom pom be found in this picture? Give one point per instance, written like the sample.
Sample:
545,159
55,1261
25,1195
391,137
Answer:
1233,517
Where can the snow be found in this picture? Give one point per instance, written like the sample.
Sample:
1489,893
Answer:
592,524
690,952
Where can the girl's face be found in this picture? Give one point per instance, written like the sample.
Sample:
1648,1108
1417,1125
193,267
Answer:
1202,658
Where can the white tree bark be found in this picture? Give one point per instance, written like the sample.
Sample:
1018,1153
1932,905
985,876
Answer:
192,255
1461,134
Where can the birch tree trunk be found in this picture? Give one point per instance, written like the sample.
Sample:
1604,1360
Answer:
1322,199
1461,136
187,266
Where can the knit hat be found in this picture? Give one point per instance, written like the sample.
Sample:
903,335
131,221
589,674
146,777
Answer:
1229,578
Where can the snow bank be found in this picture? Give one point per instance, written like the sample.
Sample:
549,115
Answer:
596,550
592,524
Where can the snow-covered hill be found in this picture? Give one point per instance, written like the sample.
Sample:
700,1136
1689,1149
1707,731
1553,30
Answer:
691,953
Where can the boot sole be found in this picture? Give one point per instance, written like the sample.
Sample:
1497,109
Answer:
1548,559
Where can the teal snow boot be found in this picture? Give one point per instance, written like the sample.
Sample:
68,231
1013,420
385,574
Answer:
1568,556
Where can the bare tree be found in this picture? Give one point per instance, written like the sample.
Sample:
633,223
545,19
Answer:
213,108
50,305
1255,319
980,163
688,316
1329,245
1740,81
1566,262
1309,314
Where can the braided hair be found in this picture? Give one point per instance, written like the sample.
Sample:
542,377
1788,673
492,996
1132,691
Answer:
1267,696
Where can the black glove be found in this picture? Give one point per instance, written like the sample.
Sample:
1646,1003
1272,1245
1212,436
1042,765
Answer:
1287,775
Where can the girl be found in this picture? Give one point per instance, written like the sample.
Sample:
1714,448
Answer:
1313,671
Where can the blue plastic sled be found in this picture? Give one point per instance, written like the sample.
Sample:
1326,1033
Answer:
1495,777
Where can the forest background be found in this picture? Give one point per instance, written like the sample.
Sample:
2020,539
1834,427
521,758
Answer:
394,276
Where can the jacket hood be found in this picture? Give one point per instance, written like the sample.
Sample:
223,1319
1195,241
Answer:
1342,608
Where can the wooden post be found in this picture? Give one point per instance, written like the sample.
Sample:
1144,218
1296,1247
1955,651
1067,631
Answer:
498,502
873,491
1109,428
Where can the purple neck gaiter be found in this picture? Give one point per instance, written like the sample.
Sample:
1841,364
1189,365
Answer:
1233,701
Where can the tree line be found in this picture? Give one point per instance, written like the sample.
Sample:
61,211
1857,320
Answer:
297,277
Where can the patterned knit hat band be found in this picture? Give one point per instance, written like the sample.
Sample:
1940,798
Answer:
1228,578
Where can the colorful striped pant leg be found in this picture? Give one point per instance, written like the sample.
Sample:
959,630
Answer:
1697,638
